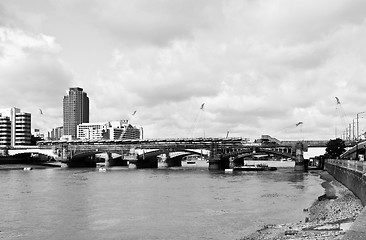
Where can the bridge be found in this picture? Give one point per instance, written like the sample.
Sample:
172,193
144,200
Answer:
220,153
20,151
355,151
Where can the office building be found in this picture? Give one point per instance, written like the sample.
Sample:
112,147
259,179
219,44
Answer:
75,111
20,126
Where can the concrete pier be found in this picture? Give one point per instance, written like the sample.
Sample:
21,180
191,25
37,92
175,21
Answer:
108,160
299,157
214,162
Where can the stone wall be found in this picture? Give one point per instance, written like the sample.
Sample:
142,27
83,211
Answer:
351,174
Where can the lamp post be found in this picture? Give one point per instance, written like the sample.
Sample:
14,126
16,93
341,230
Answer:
357,134
357,124
353,129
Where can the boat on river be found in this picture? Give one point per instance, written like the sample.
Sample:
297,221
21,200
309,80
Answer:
258,167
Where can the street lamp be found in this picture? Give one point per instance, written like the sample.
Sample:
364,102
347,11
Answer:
357,135
357,124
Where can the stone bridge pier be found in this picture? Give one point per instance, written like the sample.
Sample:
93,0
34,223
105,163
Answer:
152,160
168,161
140,161
220,160
300,163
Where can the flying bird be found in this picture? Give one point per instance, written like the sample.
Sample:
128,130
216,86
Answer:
202,106
133,114
338,102
299,123
40,111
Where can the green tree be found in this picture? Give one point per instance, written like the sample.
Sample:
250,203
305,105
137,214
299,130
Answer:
335,148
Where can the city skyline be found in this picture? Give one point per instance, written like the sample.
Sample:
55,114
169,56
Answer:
259,67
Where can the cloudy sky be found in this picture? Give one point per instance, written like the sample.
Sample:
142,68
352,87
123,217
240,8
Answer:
260,66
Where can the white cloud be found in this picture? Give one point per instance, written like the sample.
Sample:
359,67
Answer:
31,75
260,66
158,22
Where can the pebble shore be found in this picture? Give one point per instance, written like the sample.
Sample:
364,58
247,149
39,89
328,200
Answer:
329,216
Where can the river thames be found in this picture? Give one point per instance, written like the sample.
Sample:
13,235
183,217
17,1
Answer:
178,203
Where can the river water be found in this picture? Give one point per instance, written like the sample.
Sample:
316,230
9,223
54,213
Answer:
178,203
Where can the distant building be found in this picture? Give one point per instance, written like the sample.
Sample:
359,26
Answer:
75,110
91,131
112,130
20,127
56,133
266,139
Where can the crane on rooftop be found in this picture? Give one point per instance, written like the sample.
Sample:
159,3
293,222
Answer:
342,116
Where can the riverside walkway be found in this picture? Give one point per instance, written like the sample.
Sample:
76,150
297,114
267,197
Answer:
352,174
358,229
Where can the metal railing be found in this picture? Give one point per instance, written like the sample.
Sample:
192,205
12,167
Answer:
357,166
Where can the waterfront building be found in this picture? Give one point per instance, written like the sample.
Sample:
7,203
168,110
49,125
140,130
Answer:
75,111
91,131
130,132
20,126
5,132
111,130
23,128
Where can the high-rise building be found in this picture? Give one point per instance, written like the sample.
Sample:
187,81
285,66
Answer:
20,126
76,110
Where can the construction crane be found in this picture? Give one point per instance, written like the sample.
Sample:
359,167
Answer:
342,116
198,119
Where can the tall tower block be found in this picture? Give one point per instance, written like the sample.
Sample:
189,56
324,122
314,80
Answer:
75,110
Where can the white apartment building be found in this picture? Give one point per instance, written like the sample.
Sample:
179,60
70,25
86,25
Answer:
91,131
5,132
111,130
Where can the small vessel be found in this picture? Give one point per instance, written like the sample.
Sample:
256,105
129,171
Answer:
27,168
258,167
102,169
229,170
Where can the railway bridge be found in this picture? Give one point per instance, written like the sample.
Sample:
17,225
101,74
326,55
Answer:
220,153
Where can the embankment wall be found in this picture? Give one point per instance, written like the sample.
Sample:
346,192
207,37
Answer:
351,174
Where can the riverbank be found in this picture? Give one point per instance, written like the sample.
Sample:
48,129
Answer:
329,216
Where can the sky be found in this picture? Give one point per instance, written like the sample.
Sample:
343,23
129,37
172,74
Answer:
260,67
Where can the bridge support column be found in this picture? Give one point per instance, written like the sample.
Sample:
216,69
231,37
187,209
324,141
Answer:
140,161
132,160
108,160
164,161
300,164
168,161
214,163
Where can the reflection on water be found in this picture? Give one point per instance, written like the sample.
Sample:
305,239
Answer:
178,203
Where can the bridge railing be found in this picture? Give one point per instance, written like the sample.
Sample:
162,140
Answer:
357,166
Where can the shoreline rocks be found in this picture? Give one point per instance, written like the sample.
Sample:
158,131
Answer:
329,216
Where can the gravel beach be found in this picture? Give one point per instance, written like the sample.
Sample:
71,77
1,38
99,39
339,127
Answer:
329,216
